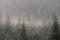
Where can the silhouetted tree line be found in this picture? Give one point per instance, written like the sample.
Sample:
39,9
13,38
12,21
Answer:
8,32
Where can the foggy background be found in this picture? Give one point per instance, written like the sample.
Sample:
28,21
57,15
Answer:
33,11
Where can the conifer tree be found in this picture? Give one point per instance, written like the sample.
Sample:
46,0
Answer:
8,29
36,37
0,26
54,33
23,34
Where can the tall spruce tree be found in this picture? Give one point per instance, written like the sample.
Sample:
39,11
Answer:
23,34
1,26
54,33
36,37
8,29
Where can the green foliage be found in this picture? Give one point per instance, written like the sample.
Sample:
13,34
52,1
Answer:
36,37
55,29
23,34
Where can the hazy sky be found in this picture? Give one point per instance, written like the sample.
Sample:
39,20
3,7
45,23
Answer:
35,10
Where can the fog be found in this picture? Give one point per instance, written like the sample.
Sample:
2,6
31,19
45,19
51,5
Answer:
36,11
29,19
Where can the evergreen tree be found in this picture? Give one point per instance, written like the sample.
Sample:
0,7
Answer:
23,34
36,37
1,33
54,33
8,29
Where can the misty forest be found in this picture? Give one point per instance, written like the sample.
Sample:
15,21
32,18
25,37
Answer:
29,19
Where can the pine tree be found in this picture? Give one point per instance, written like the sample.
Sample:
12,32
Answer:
23,34
8,29
1,33
54,33
36,37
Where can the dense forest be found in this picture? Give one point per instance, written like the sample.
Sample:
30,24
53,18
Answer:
23,32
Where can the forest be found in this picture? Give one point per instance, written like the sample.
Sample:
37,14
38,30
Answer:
24,32
29,19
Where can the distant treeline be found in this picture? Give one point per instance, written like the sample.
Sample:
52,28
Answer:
23,32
